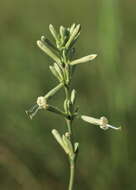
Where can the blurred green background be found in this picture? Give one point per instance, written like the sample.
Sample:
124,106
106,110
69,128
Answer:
29,156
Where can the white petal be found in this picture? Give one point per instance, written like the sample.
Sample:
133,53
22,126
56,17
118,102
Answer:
41,101
113,127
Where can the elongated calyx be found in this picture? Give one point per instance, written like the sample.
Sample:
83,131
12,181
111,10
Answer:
84,59
102,122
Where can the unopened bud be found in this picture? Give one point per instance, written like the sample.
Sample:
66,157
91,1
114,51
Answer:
43,47
84,59
74,33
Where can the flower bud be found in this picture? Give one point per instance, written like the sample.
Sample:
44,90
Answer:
43,47
60,140
84,59
53,32
73,35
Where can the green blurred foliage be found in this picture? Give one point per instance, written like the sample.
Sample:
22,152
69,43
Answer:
29,156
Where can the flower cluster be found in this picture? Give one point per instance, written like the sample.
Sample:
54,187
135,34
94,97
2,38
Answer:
63,64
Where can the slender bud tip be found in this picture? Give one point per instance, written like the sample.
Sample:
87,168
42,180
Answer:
53,131
93,56
50,25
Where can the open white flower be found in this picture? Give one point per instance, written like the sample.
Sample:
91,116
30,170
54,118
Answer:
102,122
42,103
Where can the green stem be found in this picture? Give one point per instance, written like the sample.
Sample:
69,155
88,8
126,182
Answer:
68,121
67,92
72,172
69,126
72,160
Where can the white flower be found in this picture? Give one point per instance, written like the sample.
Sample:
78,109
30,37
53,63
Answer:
42,103
102,122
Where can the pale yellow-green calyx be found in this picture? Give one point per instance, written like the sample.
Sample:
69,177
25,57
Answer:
83,59
64,142
43,47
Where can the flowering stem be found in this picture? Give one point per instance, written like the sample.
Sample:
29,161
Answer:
63,69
